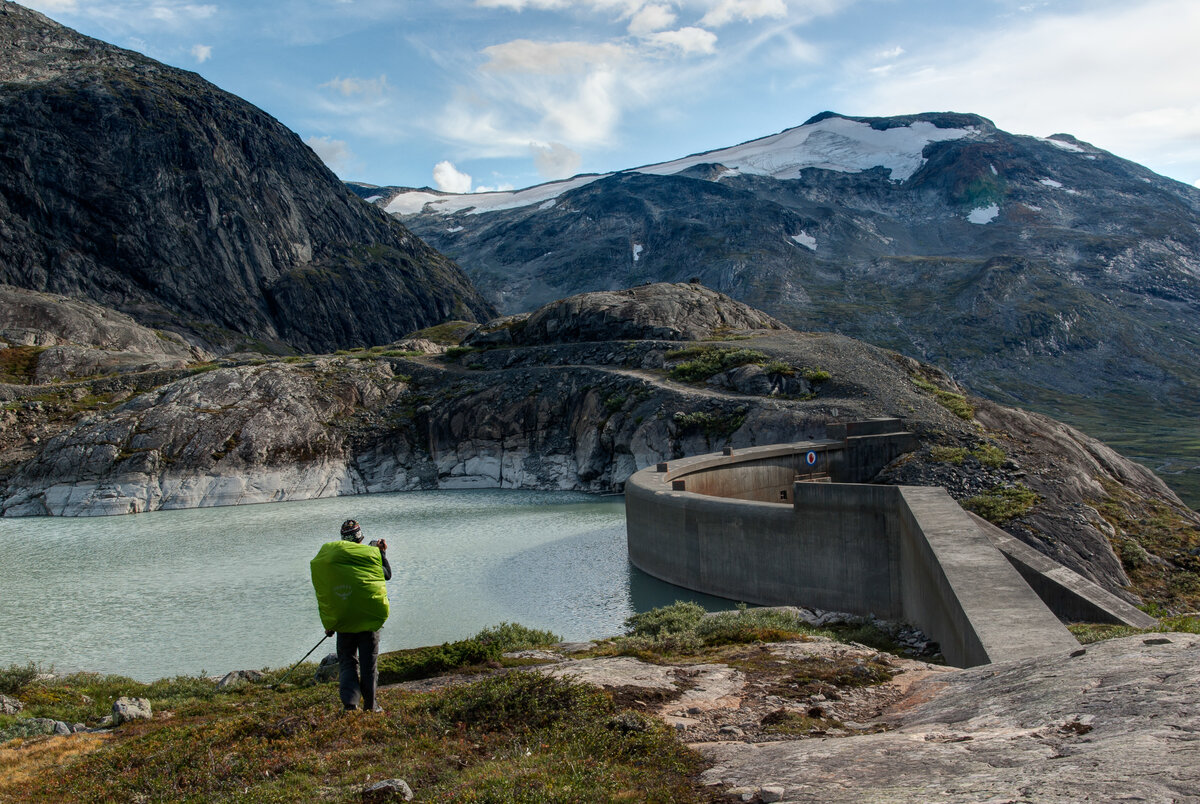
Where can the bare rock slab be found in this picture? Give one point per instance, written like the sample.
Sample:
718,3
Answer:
1119,722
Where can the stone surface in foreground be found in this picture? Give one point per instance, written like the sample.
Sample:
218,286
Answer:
1120,722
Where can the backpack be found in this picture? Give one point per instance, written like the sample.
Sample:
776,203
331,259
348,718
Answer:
351,592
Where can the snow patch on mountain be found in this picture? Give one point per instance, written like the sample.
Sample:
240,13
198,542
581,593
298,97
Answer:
1051,183
984,214
835,143
1062,144
806,240
637,251
408,203
847,146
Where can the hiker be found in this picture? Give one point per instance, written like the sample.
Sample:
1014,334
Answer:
349,577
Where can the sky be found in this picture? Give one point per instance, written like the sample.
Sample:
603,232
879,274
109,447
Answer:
473,95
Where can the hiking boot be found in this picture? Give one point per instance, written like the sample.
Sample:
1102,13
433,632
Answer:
377,708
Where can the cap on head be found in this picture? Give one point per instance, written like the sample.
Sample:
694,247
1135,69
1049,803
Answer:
351,531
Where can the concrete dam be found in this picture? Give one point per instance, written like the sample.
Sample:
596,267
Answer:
798,524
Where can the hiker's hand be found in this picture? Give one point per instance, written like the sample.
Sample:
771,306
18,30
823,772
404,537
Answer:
382,545
329,633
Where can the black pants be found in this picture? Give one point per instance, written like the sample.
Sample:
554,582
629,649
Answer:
357,674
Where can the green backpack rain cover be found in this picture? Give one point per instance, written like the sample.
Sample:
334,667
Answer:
351,592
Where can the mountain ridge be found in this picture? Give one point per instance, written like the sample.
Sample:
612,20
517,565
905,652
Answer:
145,188
1044,272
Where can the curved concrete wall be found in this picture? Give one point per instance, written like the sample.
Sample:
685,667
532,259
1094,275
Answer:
903,553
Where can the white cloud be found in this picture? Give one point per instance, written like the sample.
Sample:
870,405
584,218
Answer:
51,6
550,58
688,40
651,18
450,179
890,53
726,11
555,160
201,53
499,188
1196,184
350,87
334,153
1122,77
133,15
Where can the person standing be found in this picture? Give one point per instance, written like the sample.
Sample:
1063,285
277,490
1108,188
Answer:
349,578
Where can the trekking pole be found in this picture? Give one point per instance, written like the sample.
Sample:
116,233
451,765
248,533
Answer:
297,664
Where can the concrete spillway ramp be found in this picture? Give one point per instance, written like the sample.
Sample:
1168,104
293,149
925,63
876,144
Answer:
747,526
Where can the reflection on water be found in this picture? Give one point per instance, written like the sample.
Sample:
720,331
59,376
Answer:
217,589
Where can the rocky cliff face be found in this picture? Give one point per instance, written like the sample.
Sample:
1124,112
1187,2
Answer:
585,415
148,190
1046,272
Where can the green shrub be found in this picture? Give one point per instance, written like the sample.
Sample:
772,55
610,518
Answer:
485,648
990,456
519,701
16,678
409,665
455,352
955,403
714,424
780,368
954,455
816,376
507,637
680,617
711,360
1000,504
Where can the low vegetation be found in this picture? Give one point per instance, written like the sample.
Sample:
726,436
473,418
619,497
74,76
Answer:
1157,545
683,629
716,425
18,364
955,403
988,455
701,362
512,736
1087,633
451,333
1003,503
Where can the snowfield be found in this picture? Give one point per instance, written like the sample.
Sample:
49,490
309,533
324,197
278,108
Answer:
834,143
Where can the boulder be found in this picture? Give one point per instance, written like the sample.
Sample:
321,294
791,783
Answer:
235,677
387,790
327,670
10,705
125,709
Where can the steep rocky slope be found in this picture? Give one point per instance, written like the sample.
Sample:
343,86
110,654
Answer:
584,415
1046,272
148,190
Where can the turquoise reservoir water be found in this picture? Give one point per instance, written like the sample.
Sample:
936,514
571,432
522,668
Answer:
219,589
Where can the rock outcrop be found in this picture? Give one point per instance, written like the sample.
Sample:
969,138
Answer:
72,338
661,311
146,189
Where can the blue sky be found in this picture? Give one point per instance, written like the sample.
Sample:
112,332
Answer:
477,94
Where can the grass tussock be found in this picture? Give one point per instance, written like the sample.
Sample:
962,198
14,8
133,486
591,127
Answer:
1003,503
955,403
